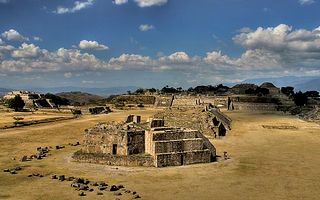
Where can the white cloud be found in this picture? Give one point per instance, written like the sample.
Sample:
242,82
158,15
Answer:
130,61
267,51
13,35
306,2
78,5
36,38
177,57
120,2
145,27
149,3
67,74
27,51
282,40
93,45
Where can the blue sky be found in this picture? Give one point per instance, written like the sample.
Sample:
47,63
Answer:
152,43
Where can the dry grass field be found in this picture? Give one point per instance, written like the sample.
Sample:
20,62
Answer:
266,163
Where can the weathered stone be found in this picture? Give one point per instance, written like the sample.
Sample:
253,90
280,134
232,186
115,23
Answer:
61,178
13,172
83,187
101,183
54,177
136,196
94,184
82,194
117,193
114,188
102,187
24,159
99,193
18,168
6,170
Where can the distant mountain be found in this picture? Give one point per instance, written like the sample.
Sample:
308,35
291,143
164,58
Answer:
97,91
81,97
305,83
3,91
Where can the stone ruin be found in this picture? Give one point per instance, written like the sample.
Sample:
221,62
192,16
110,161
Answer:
99,110
210,121
133,143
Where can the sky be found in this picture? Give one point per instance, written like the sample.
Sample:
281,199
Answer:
153,43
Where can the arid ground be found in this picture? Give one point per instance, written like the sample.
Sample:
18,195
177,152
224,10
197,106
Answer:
278,161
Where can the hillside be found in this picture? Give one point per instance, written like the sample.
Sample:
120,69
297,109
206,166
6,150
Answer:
82,98
299,83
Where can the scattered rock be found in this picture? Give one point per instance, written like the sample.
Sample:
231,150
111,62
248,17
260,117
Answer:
61,178
136,196
114,188
54,177
18,168
99,193
120,186
13,172
6,170
102,187
24,159
117,193
82,194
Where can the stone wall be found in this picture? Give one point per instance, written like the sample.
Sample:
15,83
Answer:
255,106
115,160
184,158
199,100
163,101
136,142
176,146
112,138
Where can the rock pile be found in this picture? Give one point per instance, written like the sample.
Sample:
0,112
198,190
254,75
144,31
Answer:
84,185
13,170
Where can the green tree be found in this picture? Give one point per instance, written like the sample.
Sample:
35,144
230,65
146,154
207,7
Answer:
15,103
300,99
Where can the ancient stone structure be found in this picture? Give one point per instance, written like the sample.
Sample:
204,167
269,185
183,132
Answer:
115,139
144,144
99,109
273,90
252,103
31,99
178,146
210,121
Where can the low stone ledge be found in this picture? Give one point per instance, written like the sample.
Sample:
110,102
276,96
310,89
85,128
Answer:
113,160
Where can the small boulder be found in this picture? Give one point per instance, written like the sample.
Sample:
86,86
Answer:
24,159
82,194
18,168
136,196
114,188
54,177
99,193
61,178
117,193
